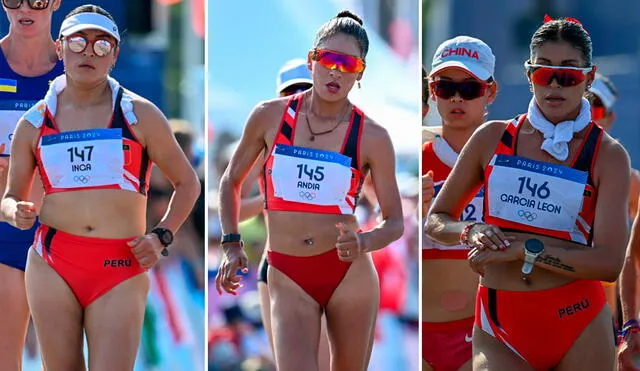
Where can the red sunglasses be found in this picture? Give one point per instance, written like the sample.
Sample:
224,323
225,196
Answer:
565,76
468,90
78,44
337,61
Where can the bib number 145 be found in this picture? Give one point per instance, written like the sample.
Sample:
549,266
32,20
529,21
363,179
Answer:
314,174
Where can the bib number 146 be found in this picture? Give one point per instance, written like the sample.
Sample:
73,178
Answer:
540,191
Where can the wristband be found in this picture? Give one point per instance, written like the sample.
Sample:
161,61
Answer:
464,236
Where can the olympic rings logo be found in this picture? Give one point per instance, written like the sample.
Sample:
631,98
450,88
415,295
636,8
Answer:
84,179
527,215
307,195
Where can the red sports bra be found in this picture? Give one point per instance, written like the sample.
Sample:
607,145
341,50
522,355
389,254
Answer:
310,180
109,158
543,198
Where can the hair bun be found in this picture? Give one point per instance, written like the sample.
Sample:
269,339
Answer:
350,14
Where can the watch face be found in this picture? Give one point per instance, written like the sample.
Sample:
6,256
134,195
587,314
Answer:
166,237
534,246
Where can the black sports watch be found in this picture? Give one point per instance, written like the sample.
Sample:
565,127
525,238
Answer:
166,238
230,237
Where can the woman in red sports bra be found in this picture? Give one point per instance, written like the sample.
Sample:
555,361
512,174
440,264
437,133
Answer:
555,214
462,85
93,142
319,149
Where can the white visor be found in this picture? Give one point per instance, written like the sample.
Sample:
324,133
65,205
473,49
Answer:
89,21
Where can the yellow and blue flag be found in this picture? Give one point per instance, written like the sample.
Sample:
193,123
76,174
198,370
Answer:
8,85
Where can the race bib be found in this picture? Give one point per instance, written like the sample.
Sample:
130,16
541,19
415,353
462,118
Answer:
535,193
473,211
310,176
84,158
10,113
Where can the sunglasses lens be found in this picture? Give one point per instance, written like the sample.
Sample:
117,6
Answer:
12,4
341,62
38,4
468,90
102,48
564,77
77,44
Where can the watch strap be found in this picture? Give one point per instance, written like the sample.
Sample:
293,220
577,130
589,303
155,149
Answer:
230,237
162,234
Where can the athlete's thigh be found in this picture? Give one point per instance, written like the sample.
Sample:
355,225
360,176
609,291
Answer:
265,310
113,324
351,317
57,316
491,355
595,349
324,349
425,366
15,316
468,366
295,324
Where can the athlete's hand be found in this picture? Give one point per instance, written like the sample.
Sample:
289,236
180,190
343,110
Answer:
147,250
479,258
349,243
488,236
25,215
628,353
233,258
428,191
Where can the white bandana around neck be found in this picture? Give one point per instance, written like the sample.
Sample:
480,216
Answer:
558,136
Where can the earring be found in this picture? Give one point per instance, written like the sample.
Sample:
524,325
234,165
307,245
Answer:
359,84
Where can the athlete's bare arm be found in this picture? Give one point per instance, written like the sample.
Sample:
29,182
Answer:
251,206
251,145
380,159
629,273
462,185
634,193
164,151
21,169
604,260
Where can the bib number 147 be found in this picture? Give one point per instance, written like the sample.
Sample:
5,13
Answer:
80,153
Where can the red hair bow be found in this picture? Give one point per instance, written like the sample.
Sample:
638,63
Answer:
548,18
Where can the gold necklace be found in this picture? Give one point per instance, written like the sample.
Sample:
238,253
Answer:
314,134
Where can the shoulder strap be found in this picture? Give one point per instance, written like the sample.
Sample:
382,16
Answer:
351,145
589,151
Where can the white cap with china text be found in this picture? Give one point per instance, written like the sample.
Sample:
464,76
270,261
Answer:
466,53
